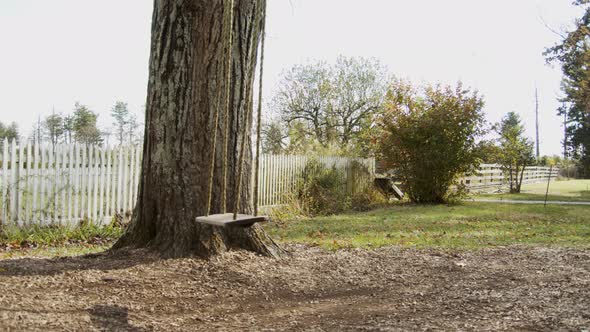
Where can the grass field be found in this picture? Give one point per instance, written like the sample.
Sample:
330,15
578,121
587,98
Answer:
467,226
565,190
56,241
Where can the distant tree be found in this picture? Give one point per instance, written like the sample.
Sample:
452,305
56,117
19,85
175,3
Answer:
125,123
106,135
429,136
358,88
573,53
273,138
84,125
36,132
132,127
489,151
9,131
68,128
121,117
333,105
516,150
53,128
303,98
549,160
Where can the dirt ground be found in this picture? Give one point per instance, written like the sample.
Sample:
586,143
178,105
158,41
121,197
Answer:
389,289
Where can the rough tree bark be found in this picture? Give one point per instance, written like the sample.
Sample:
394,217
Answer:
186,85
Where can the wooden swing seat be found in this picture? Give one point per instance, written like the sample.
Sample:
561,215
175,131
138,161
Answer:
227,219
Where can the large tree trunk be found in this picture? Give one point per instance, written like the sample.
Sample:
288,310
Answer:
186,86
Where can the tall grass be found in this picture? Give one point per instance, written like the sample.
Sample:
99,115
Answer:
35,236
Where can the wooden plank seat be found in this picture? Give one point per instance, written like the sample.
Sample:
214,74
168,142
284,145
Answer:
396,192
227,219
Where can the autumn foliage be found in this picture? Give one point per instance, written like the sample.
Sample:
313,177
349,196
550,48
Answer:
429,135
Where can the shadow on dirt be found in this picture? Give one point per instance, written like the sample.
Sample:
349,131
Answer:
104,261
111,318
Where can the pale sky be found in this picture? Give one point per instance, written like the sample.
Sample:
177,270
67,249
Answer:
57,52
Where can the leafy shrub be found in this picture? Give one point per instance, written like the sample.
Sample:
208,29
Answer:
325,190
429,136
321,190
368,199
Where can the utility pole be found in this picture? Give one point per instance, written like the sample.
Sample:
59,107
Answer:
537,121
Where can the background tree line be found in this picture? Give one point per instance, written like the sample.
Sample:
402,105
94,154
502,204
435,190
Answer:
573,54
81,126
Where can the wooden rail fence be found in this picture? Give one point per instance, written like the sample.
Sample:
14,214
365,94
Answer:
493,176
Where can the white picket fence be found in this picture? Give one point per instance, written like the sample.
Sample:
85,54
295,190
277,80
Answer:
45,185
492,176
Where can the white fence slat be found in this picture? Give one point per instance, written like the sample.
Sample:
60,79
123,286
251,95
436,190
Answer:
56,185
114,180
118,206
127,181
102,183
27,187
42,184
83,181
277,179
108,182
76,171
51,187
57,156
131,176
95,170
71,175
13,184
265,176
20,185
124,176
35,167
4,182
90,183
63,181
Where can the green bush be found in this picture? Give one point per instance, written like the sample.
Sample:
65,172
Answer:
429,136
326,190
321,190
369,198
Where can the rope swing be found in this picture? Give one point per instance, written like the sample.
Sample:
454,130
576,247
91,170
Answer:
226,219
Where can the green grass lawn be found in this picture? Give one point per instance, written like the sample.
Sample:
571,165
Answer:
563,190
469,225
466,226
54,251
56,241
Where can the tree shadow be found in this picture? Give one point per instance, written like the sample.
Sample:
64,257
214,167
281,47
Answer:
111,318
105,261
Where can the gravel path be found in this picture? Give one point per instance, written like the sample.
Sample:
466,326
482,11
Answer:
389,289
